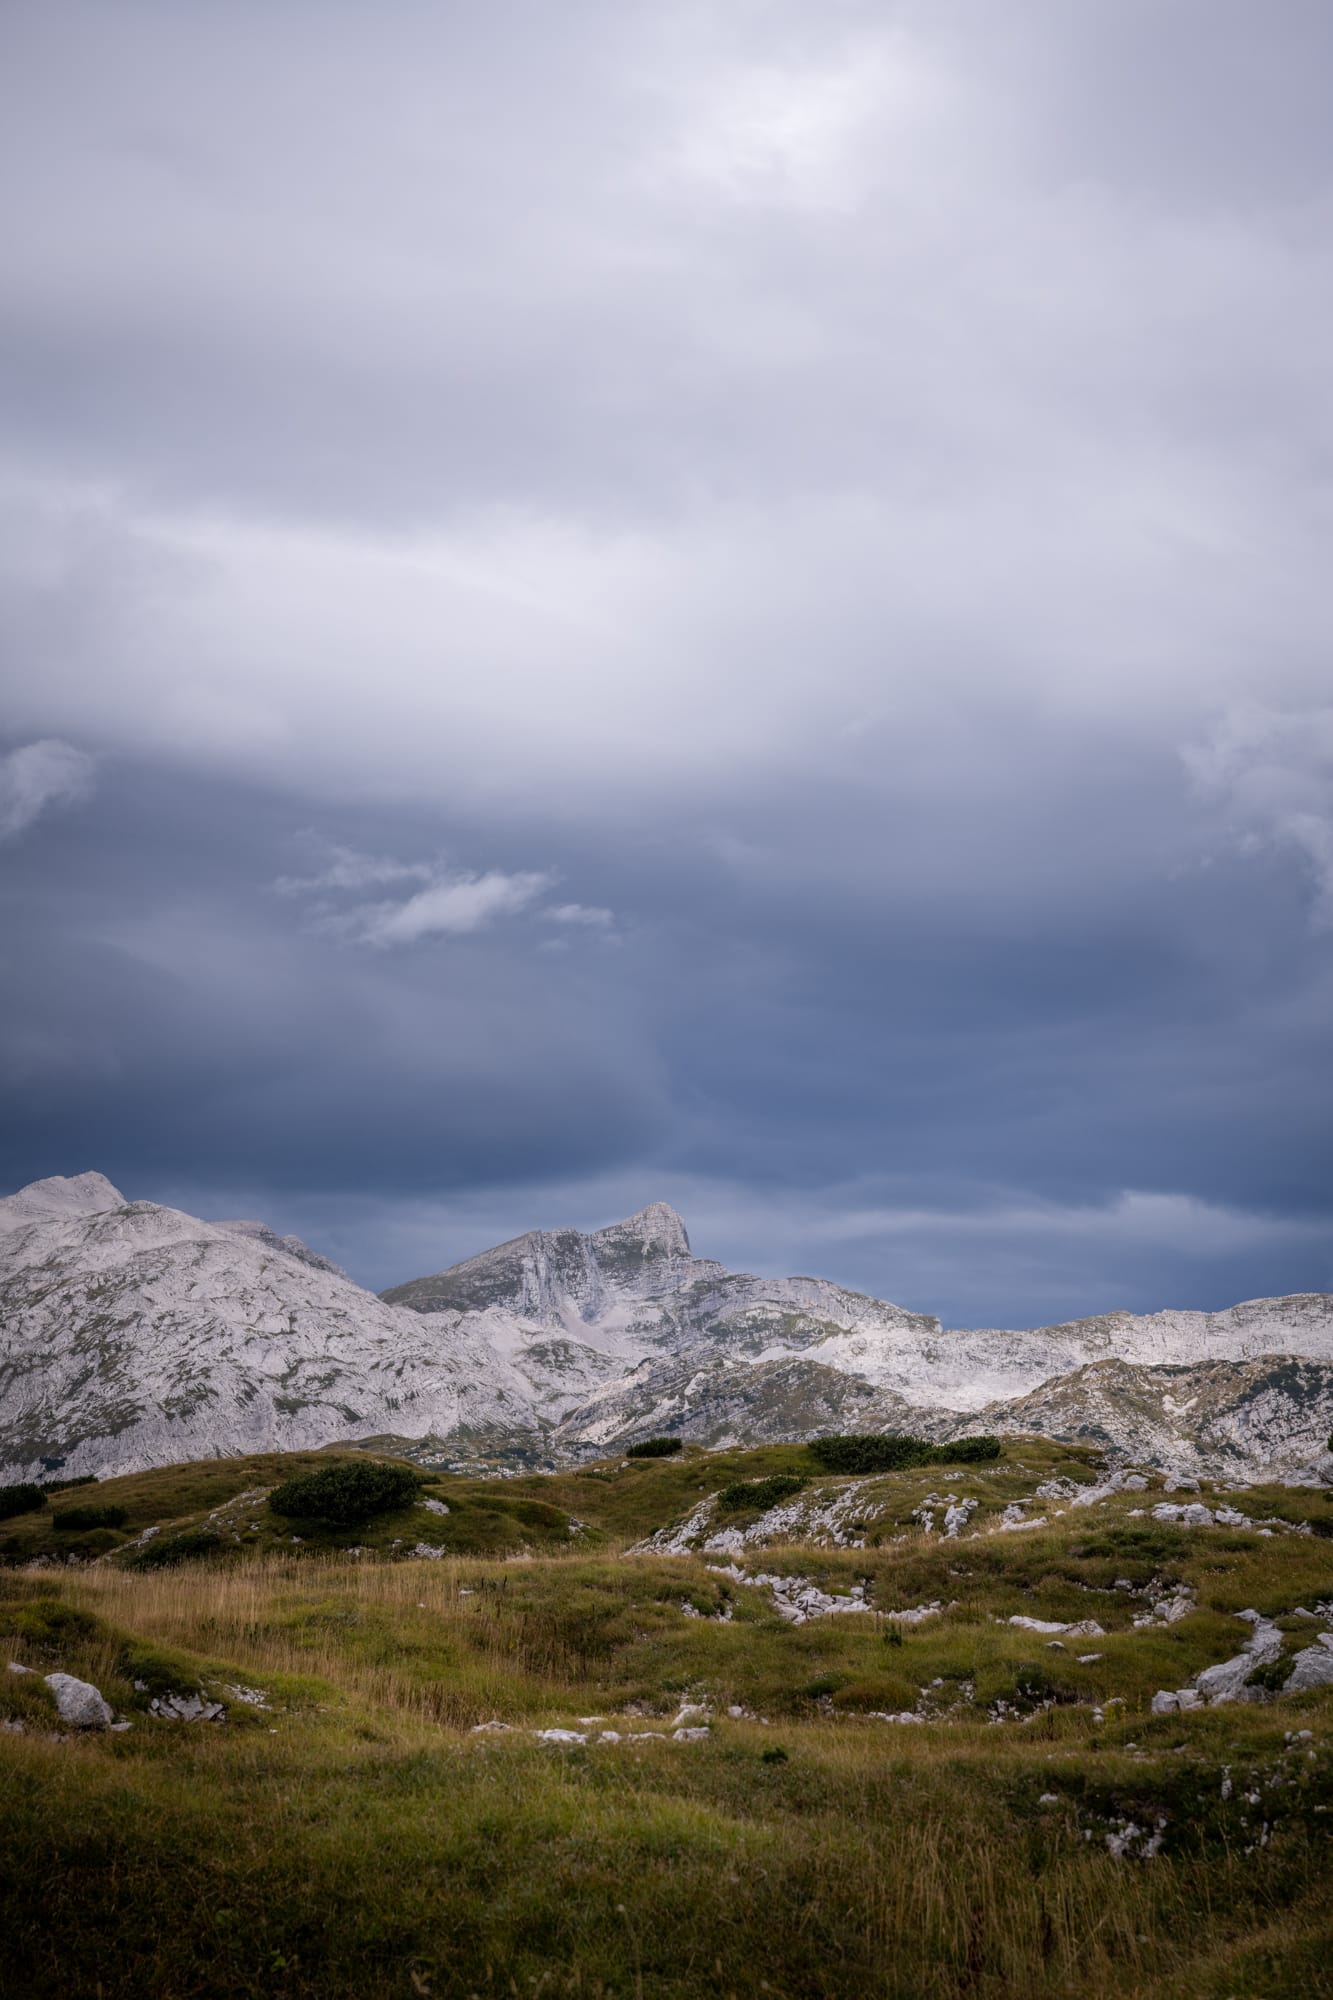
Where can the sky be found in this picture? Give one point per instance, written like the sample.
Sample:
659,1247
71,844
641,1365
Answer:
725,604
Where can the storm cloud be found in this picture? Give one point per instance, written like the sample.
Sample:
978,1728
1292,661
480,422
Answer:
725,604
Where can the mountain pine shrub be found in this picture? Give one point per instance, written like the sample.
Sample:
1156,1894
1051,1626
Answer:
656,1448
759,1493
894,1451
167,1550
21,1499
346,1494
90,1517
887,1451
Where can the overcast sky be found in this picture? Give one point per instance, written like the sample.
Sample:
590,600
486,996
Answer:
720,603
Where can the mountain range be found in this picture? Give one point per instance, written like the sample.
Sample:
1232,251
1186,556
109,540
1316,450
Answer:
134,1335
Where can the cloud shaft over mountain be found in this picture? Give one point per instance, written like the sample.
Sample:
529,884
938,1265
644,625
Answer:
755,577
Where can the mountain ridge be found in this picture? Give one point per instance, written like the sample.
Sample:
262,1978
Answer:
134,1334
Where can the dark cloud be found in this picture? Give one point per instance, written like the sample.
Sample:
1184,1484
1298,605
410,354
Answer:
726,604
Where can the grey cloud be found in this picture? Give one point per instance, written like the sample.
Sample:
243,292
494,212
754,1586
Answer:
771,490
1272,774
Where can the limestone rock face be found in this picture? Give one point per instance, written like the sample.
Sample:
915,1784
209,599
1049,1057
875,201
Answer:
78,1703
133,1335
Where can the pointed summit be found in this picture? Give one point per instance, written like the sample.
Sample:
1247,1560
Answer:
562,1274
657,1228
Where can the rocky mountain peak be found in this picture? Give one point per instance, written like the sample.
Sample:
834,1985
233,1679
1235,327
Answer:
60,1195
655,1234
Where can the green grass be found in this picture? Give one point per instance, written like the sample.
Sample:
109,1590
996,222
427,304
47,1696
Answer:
351,1837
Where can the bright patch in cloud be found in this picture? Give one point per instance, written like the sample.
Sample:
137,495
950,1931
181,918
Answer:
39,775
581,915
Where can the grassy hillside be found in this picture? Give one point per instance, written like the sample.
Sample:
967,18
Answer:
347,1826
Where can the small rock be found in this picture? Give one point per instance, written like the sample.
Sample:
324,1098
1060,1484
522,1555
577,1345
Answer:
435,1507
690,1735
689,1711
491,1729
15,1668
186,1708
560,1735
78,1702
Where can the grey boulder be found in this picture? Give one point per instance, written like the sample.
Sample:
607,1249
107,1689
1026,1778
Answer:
1312,1668
78,1702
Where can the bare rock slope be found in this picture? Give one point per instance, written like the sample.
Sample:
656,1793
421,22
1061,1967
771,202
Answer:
133,1335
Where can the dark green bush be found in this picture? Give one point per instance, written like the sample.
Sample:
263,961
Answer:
22,1499
893,1451
90,1517
1272,1676
63,1485
346,1494
165,1551
759,1493
887,1451
968,1451
655,1448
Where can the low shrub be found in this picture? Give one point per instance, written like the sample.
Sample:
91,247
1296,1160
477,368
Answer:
655,1448
346,1494
894,1451
759,1493
22,1499
90,1517
167,1550
1272,1676
887,1451
63,1485
978,1450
